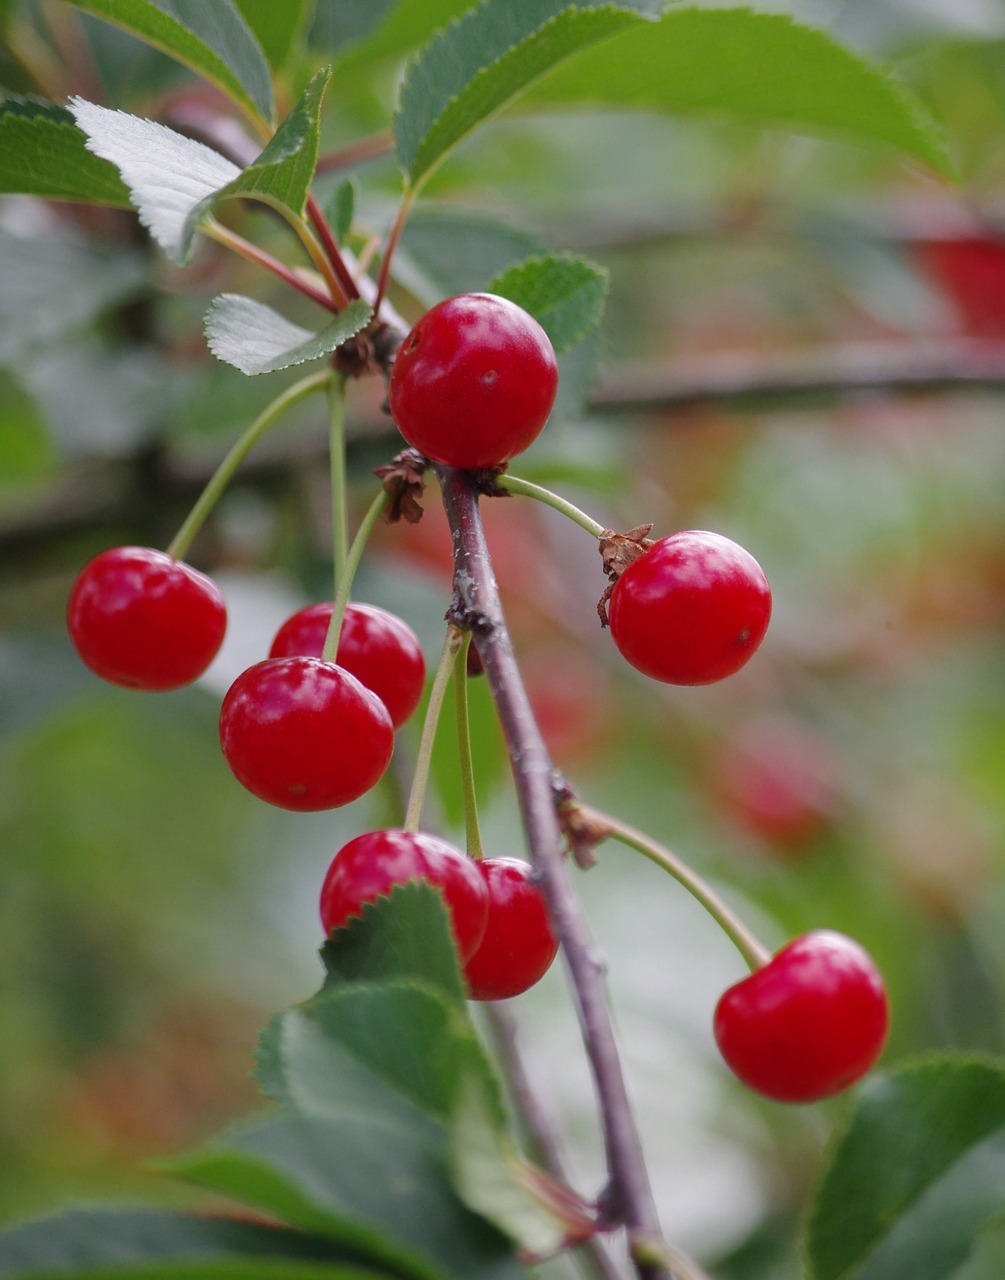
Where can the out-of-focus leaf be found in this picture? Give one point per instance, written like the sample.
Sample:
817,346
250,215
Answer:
43,153
36,307
212,39
342,22
761,68
255,339
481,62
278,28
564,294
370,1180
341,209
918,1173
130,1242
451,251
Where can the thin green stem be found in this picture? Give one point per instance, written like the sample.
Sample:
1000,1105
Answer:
349,567
337,470
755,954
513,484
423,760
222,476
472,830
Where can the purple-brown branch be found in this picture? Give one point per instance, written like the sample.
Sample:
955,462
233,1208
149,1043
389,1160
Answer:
628,1199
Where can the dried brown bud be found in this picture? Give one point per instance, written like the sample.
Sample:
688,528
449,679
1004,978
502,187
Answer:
402,479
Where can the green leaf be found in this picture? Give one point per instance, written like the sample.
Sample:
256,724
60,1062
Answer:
405,935
212,39
492,1178
481,62
35,305
255,339
43,153
565,294
128,1241
919,1171
326,1056
760,68
372,1181
281,176
168,175
488,752
278,28
445,251
341,209
342,22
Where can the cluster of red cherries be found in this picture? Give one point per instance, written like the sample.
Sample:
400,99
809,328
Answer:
472,386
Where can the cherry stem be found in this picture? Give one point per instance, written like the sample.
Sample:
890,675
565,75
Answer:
472,830
337,473
348,573
224,473
237,244
477,603
332,252
424,757
392,243
755,954
340,296
513,484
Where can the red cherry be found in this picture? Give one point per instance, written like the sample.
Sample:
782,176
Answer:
474,381
375,646
808,1024
781,781
519,944
141,619
372,864
971,270
304,734
690,610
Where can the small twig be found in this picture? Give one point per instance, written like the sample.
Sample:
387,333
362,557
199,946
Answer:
934,365
359,152
334,255
393,236
629,1194
544,1142
231,240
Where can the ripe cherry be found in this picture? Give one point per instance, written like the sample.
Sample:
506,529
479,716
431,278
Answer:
370,865
519,944
690,610
473,382
304,734
377,647
141,619
808,1024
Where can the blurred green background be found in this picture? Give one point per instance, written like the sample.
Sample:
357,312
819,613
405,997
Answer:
153,915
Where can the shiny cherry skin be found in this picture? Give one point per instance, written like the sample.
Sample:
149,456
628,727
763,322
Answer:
377,647
519,944
304,734
808,1024
370,865
141,619
690,610
474,381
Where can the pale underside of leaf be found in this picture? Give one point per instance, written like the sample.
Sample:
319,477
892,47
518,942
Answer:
256,339
167,174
